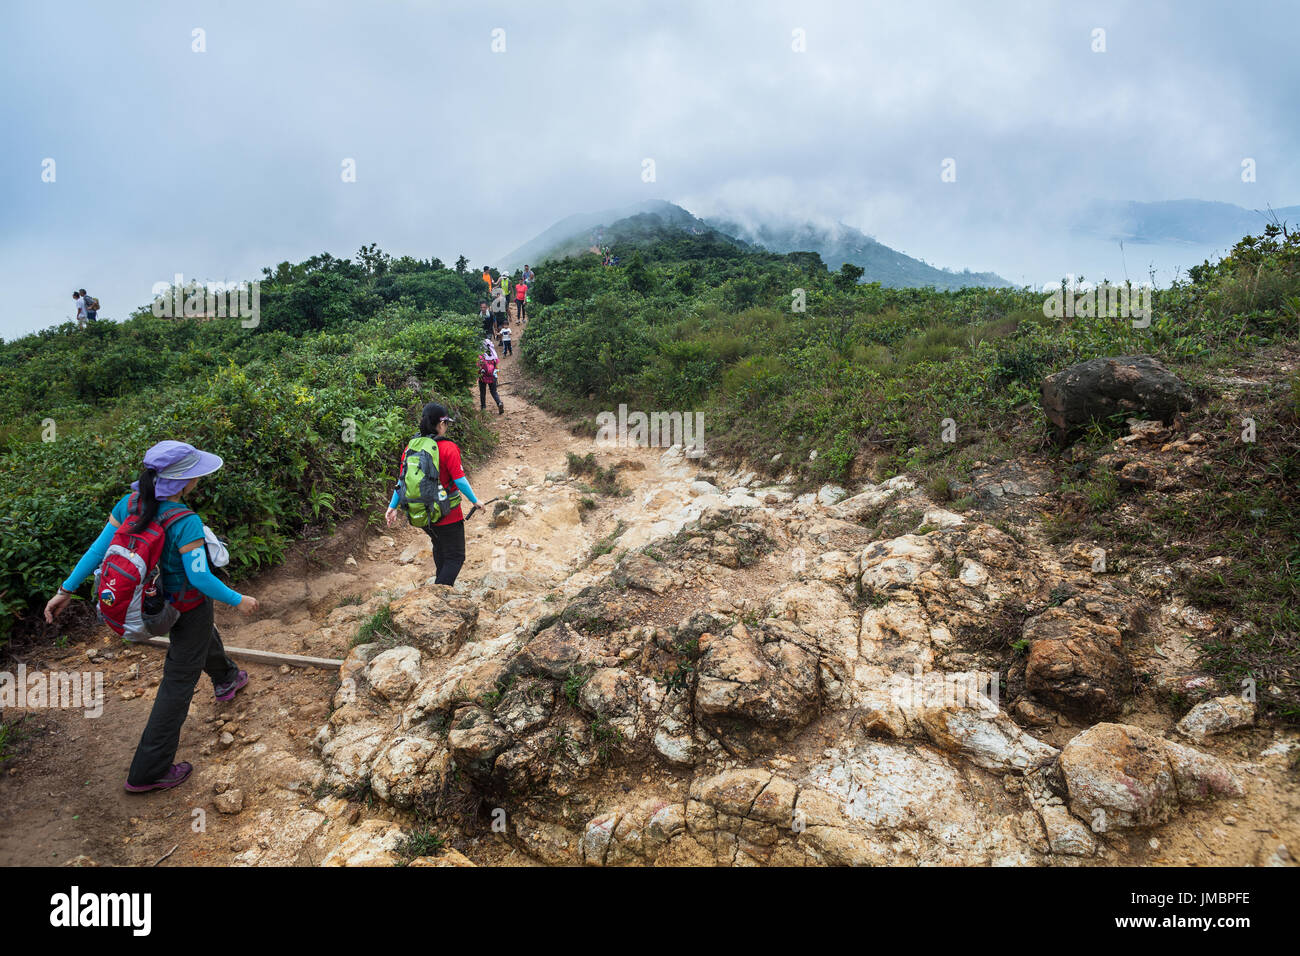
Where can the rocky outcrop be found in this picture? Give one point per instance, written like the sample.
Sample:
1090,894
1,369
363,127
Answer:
845,716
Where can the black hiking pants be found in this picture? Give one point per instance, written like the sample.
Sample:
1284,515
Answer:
520,310
195,649
482,394
448,550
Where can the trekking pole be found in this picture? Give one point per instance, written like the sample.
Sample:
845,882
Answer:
479,506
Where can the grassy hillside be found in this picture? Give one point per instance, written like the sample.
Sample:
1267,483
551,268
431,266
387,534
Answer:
308,409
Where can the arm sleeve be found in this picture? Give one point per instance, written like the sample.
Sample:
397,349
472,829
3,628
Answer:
392,502
201,576
463,484
92,559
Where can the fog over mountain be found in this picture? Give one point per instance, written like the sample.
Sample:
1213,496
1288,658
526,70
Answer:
215,163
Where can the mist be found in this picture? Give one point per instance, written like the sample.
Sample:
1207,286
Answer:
218,162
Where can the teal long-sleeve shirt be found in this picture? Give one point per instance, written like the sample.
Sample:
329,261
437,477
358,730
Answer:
176,568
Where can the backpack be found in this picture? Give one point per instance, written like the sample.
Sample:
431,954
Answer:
129,568
419,490
92,304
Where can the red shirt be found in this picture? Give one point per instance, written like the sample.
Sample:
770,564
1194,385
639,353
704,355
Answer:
449,469
520,291
487,369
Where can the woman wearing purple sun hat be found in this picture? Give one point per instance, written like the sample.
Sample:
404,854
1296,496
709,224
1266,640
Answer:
171,470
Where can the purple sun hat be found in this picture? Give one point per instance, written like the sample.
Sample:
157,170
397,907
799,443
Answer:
176,463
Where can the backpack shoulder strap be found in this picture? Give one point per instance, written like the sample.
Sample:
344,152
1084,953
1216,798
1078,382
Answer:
173,516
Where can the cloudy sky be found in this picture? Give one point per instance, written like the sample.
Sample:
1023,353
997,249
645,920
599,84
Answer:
212,164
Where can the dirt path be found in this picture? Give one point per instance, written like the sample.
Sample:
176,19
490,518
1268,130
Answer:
61,796
255,797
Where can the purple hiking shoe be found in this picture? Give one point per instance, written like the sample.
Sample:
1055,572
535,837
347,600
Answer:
227,692
174,777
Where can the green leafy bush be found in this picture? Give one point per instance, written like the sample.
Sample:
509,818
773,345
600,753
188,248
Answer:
310,425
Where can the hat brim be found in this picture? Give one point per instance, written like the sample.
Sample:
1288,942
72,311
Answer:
206,465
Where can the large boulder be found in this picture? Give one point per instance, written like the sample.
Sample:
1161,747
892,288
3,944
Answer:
436,621
1076,660
1101,388
1216,716
1121,777
394,673
758,687
639,570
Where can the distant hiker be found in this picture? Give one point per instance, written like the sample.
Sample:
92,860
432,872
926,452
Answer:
487,279
505,341
91,305
528,276
499,299
502,323
486,317
521,294
487,377
428,454
79,303
150,528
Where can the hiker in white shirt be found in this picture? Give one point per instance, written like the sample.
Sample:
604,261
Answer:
80,303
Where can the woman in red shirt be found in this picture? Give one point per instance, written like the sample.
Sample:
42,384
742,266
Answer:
448,535
521,294
487,377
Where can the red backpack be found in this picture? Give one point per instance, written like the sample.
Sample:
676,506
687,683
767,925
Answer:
129,567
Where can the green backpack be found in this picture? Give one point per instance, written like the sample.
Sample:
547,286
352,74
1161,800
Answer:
418,489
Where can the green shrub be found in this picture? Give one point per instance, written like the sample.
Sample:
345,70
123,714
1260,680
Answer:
305,421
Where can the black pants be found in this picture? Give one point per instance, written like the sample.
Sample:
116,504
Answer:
520,310
505,345
482,393
196,649
448,550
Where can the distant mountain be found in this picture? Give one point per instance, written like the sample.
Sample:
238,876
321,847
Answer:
655,220
582,232
1176,220
838,244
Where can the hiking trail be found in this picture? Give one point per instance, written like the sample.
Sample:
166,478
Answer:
714,692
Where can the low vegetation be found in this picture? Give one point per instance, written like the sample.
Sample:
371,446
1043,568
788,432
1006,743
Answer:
309,409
